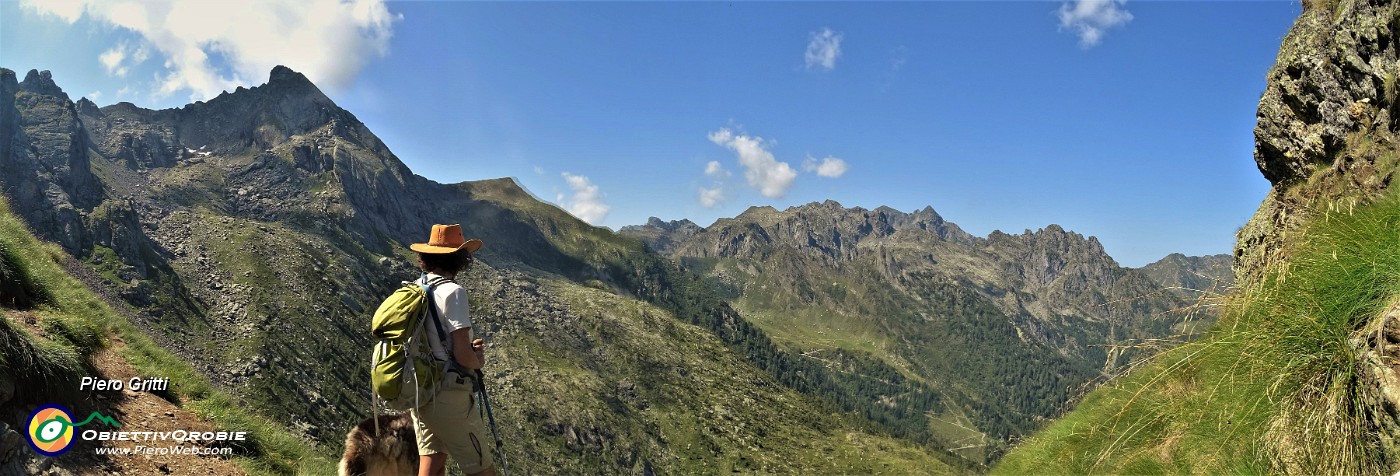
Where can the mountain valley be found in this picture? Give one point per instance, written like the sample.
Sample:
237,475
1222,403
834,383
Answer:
253,234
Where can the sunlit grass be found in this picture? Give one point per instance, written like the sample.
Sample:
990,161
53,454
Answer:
1284,383
77,323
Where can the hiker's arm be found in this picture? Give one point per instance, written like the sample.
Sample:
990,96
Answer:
463,351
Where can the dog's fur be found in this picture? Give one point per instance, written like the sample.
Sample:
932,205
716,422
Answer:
394,451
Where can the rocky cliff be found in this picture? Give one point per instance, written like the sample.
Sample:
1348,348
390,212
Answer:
42,136
1327,121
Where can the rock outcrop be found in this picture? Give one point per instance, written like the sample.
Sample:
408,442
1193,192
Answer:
41,136
1326,140
1326,122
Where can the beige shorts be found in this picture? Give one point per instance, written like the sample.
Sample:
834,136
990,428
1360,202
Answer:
451,424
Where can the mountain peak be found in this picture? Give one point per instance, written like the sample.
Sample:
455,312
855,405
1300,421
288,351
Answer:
284,75
86,106
926,213
661,235
683,224
41,82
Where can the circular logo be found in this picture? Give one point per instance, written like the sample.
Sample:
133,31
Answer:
50,430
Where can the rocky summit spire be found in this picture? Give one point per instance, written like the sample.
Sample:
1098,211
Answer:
282,75
41,82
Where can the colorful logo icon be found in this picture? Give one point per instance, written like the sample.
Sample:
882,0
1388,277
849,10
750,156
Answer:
50,430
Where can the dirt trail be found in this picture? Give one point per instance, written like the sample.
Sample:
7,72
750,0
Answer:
139,412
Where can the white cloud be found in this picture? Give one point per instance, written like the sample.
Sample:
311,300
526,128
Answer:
1090,18
112,60
830,167
539,170
823,48
714,169
771,177
586,202
327,40
67,10
115,60
714,195
711,197
92,96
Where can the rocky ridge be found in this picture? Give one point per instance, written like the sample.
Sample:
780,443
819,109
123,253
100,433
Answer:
662,236
919,292
1192,275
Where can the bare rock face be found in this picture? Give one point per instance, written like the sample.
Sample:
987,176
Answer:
43,137
41,82
1326,122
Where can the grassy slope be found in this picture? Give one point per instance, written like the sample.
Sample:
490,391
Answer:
738,419
815,331
85,322
857,310
690,406
698,406
1279,385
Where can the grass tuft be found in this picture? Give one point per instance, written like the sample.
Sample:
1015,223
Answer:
1322,316
45,370
17,289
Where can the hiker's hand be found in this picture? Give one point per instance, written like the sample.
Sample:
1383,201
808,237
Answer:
479,347
464,351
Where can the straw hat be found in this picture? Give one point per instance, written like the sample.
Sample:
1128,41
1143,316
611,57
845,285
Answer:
446,239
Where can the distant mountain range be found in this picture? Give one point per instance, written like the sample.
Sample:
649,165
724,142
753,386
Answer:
1008,327
256,231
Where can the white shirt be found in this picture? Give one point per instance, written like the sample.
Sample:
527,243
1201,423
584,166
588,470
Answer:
453,314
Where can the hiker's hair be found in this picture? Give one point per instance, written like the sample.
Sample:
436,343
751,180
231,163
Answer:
452,263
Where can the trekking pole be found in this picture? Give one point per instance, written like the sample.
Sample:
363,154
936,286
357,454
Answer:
491,418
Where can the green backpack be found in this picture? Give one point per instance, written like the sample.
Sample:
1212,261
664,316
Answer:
403,370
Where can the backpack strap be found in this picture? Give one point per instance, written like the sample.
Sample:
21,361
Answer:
428,286
451,363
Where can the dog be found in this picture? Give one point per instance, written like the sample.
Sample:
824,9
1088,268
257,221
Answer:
391,452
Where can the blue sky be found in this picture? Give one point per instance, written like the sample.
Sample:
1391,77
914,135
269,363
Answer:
1129,121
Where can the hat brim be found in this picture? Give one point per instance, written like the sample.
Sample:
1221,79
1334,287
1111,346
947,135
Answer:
471,246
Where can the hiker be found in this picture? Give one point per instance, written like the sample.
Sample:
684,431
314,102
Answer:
450,424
